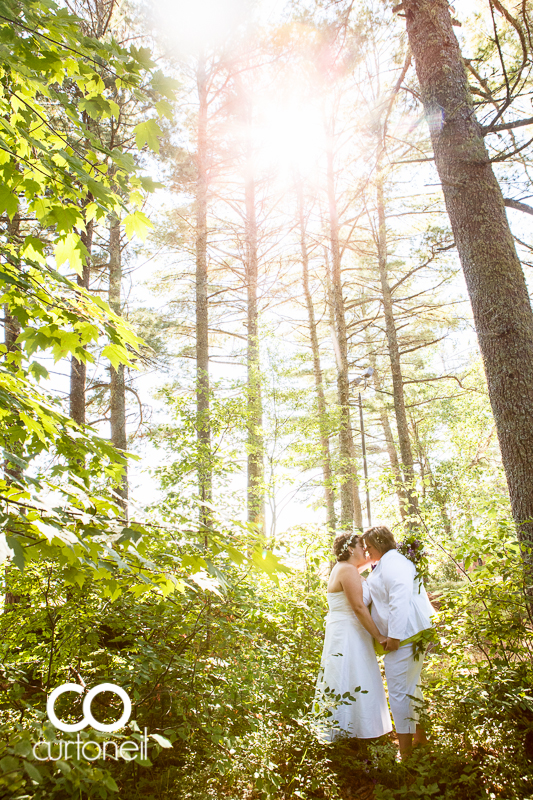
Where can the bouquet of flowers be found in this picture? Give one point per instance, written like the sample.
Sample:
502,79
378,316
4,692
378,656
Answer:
413,548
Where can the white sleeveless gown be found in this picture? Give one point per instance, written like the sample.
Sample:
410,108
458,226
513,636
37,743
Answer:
349,661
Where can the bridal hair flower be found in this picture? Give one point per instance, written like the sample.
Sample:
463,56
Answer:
342,542
351,542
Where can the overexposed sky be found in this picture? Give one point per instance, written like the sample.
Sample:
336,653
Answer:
191,26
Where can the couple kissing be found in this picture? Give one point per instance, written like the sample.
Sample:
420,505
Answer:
396,625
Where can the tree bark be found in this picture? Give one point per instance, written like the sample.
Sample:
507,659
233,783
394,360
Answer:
12,472
12,330
117,377
329,494
78,369
349,488
203,421
389,441
494,278
255,442
11,324
394,355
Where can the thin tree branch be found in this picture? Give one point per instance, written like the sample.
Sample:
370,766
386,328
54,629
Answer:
506,126
516,204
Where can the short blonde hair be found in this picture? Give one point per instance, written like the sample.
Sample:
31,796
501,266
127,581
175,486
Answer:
381,538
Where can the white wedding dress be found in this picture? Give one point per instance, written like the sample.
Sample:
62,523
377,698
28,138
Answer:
349,661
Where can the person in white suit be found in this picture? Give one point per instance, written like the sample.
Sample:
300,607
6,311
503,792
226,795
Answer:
401,610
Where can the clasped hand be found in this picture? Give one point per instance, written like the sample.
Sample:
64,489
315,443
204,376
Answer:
389,644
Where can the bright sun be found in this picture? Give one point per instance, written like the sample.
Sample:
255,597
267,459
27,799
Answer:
290,135
193,26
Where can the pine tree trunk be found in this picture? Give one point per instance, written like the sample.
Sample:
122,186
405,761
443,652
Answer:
117,379
12,472
78,369
203,422
389,442
317,370
385,424
394,355
11,324
349,488
12,329
494,278
255,443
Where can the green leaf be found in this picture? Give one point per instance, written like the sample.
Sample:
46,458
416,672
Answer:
129,534
193,562
32,426
8,201
148,184
206,582
164,109
116,355
9,279
71,249
125,161
34,249
74,576
18,557
33,772
114,108
9,764
268,562
148,133
161,740
109,781
22,747
139,590
138,224
234,554
164,85
143,55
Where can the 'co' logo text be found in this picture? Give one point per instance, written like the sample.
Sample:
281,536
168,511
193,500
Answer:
88,718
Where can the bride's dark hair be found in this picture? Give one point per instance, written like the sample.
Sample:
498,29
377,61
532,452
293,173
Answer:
341,544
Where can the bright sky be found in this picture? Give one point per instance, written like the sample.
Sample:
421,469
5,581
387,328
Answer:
191,25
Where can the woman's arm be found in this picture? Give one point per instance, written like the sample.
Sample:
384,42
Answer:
353,589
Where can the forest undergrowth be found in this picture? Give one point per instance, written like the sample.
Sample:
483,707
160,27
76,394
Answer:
224,685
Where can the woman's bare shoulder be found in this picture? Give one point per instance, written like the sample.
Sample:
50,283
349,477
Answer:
344,568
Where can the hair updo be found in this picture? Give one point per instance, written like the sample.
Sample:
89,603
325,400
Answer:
381,538
341,544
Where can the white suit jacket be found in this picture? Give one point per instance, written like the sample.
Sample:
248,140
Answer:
400,605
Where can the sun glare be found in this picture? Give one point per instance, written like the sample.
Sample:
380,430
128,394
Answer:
291,136
192,26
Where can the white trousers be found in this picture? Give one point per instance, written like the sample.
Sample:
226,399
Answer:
403,679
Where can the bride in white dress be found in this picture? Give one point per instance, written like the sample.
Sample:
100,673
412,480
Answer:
348,657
